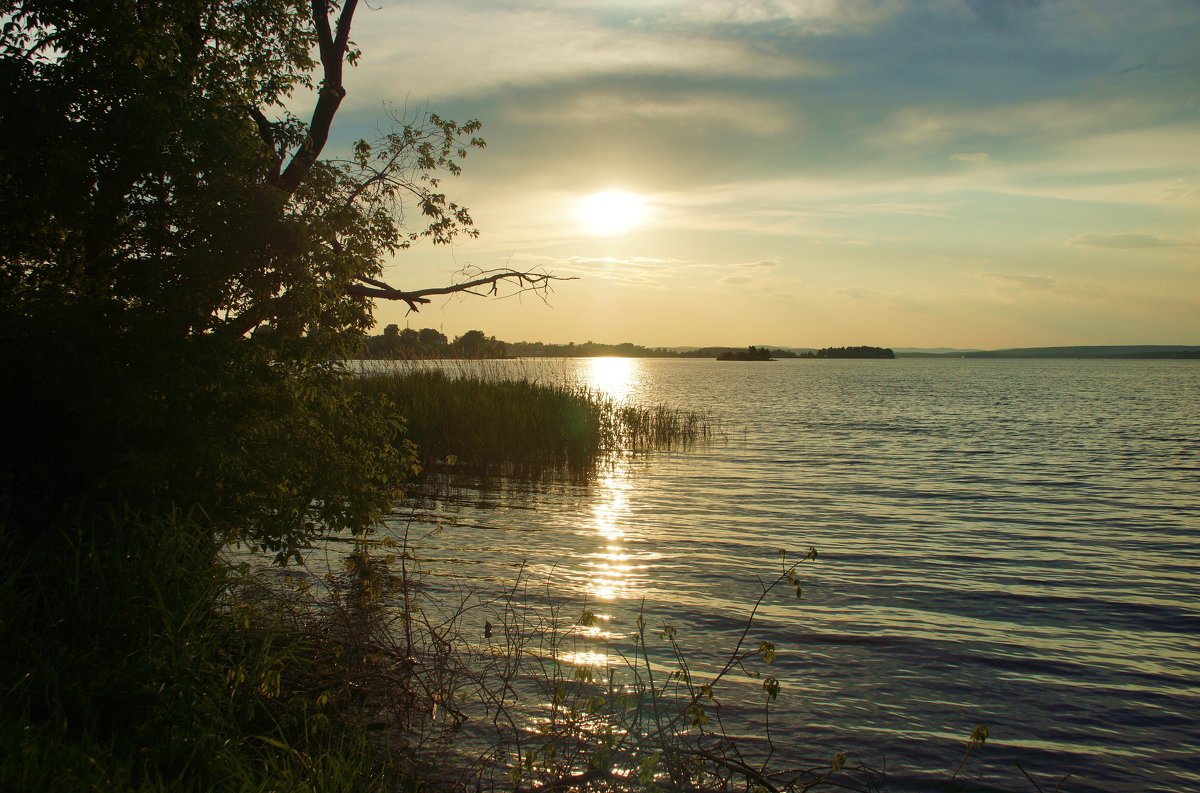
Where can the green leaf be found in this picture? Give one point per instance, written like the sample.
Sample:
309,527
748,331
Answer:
648,767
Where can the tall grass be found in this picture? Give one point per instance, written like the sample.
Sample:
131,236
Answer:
525,426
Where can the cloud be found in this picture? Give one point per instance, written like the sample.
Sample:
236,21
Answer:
929,209
630,271
743,114
766,264
1038,120
978,156
807,17
858,293
467,50
1013,287
651,271
812,17
1037,283
998,14
1179,190
743,274
1124,241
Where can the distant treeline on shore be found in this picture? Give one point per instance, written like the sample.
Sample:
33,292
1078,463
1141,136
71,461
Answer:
426,343
1128,351
396,342
407,343
753,353
852,352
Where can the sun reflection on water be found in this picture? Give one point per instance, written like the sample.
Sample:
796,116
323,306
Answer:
610,573
610,565
612,377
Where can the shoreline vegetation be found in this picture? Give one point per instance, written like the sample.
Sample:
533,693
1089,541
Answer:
395,343
472,419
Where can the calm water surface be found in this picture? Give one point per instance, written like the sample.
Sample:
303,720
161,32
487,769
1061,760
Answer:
1009,543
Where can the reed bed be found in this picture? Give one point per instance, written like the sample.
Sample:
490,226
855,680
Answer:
479,420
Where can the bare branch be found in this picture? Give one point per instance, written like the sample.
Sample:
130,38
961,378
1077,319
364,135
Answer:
532,281
376,176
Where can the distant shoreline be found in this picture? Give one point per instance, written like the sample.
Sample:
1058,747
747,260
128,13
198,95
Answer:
432,344
1126,352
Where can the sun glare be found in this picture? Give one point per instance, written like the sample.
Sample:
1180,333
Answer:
612,377
612,212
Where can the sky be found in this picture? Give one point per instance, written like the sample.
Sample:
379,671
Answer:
808,173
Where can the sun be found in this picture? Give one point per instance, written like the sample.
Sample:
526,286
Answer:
612,212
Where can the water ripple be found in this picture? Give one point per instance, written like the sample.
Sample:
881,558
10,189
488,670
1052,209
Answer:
1004,542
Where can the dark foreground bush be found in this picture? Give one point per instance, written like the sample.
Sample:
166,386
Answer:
130,666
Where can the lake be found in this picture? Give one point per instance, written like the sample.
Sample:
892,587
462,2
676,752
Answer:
1011,543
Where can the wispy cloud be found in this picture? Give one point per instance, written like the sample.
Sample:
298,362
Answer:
812,17
743,275
629,271
858,293
1015,287
466,50
1000,14
1129,240
935,209
734,113
1042,120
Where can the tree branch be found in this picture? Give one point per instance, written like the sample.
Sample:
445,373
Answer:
267,133
537,282
330,95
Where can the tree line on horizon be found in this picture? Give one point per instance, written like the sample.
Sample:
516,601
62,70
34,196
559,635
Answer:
406,343
429,343
396,343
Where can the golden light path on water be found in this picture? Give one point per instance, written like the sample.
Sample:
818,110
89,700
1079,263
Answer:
610,570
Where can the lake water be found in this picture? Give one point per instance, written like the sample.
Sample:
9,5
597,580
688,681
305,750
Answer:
1007,543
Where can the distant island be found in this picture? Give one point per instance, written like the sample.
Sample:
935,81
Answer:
851,352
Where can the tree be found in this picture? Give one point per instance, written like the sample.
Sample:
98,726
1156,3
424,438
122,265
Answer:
181,267
477,344
432,341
